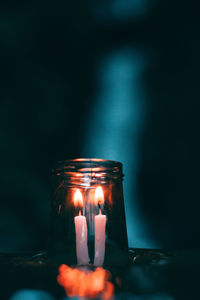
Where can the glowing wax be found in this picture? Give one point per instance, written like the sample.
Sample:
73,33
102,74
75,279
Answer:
81,240
100,228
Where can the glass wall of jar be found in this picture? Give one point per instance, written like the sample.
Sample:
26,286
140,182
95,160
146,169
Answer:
88,223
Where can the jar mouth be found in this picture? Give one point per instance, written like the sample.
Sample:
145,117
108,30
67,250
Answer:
93,168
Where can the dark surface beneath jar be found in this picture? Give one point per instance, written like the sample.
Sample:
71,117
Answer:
150,274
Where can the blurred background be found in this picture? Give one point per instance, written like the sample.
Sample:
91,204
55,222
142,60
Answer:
109,79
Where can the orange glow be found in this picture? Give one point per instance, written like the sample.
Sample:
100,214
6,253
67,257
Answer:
78,198
99,175
99,196
86,283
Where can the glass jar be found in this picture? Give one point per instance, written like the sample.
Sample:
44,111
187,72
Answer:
88,220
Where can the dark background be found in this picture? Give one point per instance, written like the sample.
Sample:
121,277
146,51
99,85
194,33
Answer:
110,79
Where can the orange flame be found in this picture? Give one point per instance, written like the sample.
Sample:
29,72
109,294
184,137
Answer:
78,198
81,283
99,196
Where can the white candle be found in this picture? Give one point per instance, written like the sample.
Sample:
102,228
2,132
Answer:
100,230
100,225
81,232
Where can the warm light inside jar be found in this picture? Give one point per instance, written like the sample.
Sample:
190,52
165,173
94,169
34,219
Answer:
81,232
78,200
99,196
100,227
91,190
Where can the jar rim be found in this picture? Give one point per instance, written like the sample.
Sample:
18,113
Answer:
93,166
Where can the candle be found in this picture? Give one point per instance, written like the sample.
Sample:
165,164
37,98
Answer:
100,226
81,232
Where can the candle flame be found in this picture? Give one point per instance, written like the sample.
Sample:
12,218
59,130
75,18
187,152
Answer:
86,283
99,196
78,198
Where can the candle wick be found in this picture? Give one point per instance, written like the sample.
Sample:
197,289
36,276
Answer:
79,212
100,210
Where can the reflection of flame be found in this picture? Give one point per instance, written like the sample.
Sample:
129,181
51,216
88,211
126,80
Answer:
78,198
99,196
88,283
